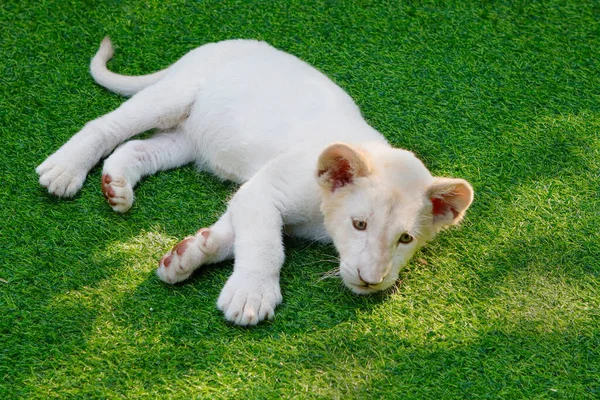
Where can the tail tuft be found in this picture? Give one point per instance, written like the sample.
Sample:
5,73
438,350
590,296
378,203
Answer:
122,84
106,51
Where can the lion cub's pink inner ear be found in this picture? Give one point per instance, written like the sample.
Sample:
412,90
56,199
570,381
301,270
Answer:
441,207
450,198
339,165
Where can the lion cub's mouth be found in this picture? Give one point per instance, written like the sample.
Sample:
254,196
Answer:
364,289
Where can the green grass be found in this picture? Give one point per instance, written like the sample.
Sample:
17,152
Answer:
504,94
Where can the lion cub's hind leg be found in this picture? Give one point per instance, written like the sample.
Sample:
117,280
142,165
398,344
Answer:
138,158
208,246
163,105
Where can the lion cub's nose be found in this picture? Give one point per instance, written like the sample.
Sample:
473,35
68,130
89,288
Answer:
370,279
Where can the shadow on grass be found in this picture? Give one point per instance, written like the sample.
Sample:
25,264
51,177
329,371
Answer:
305,294
174,336
519,363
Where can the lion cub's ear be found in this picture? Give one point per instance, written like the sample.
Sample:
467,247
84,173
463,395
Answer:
450,199
339,165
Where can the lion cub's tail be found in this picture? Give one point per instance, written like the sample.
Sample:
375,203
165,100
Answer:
121,84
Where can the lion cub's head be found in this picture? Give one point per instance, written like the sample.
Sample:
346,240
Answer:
380,206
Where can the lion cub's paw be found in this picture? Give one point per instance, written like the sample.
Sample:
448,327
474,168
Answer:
118,192
247,300
60,178
183,259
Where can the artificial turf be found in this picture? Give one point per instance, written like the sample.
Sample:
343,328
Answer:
504,94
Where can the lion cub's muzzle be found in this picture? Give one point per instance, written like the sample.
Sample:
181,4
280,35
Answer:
363,281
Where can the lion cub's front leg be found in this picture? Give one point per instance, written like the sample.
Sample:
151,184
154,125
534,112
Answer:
252,292
251,229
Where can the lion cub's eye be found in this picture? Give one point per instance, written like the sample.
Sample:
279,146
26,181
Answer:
405,238
359,224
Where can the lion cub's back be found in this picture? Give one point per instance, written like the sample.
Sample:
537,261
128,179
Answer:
255,102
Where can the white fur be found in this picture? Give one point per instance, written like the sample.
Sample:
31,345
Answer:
307,159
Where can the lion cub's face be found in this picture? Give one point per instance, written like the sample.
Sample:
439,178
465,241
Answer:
380,207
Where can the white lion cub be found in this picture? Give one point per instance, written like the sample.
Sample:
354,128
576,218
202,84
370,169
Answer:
308,161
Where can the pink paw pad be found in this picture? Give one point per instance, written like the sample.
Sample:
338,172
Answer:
107,190
205,233
181,247
166,260
184,258
178,249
